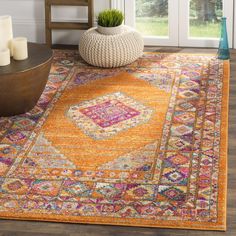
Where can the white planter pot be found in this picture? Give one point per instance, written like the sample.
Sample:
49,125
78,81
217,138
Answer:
110,30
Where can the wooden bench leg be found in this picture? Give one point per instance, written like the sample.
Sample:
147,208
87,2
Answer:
47,24
90,13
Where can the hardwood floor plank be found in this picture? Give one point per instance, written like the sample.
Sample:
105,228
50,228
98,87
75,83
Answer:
14,233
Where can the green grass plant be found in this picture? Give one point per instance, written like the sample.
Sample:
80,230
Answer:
110,18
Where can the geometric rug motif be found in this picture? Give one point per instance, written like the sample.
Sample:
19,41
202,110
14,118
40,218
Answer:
105,116
140,145
141,160
47,155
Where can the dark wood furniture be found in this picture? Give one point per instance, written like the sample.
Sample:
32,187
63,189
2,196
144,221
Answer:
50,25
22,82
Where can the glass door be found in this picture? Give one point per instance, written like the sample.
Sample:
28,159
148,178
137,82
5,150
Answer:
192,23
157,20
199,22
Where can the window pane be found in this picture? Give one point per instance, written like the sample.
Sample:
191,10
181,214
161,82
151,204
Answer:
152,17
205,18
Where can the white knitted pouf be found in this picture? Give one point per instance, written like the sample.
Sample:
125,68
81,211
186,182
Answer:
111,50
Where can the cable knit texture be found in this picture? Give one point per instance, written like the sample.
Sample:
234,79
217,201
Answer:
111,50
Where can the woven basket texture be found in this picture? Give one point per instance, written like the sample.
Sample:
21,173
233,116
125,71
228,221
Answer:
111,51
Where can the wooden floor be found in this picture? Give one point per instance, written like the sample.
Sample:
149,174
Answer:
24,228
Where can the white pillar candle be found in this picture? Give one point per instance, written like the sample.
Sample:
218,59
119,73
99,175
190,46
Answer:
19,48
6,33
5,58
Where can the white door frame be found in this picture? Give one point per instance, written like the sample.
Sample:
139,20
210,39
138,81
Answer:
179,25
185,40
118,4
234,24
171,40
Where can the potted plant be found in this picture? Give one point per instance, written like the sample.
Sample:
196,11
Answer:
110,22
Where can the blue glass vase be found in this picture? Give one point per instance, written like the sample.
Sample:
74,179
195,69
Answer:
223,51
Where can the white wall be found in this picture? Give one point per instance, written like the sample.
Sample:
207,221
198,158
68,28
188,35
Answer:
28,19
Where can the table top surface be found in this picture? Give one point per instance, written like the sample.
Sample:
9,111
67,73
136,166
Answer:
38,55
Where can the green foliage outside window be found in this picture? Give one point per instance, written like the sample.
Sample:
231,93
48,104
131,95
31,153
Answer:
202,10
204,17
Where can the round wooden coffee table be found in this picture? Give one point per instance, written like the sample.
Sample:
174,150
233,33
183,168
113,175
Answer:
22,82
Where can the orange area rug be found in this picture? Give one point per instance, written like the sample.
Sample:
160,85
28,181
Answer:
142,145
